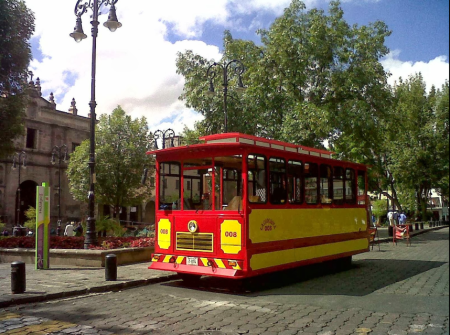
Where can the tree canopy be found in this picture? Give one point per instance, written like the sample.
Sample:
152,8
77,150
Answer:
313,78
16,28
121,146
316,80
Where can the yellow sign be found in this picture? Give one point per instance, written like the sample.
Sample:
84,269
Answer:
231,237
164,234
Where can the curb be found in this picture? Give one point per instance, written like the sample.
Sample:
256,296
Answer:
76,293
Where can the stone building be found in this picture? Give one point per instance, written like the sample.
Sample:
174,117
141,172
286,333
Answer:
47,128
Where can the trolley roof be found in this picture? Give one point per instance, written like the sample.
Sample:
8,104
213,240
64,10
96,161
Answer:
237,139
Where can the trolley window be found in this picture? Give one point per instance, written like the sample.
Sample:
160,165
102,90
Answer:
277,168
362,188
338,186
326,184
229,191
295,182
169,187
350,181
257,179
197,186
311,183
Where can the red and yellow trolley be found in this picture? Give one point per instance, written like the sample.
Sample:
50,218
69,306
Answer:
238,206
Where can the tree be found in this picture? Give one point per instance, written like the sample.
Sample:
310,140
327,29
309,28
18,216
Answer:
16,28
379,210
314,78
418,143
30,214
121,146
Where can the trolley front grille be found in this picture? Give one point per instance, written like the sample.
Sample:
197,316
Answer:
195,242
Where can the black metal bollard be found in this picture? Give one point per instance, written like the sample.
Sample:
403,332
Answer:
18,278
111,267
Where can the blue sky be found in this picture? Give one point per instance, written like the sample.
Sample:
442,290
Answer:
136,65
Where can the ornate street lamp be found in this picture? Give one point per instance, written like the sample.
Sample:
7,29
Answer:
164,135
19,162
60,154
237,69
78,35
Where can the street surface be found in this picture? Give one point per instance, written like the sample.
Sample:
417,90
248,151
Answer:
398,290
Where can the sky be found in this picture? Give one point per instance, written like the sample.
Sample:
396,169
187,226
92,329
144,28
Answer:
136,66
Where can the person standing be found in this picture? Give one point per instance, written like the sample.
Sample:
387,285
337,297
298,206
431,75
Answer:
402,218
69,230
395,216
78,229
391,219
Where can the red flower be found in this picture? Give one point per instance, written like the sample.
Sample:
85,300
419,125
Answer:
59,242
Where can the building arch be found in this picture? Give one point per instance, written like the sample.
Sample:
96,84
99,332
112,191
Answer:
27,199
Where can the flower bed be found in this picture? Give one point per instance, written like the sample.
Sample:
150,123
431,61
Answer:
74,243
69,251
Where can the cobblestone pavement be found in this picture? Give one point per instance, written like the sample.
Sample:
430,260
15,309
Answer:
399,290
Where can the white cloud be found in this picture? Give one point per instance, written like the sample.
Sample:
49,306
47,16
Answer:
435,72
136,64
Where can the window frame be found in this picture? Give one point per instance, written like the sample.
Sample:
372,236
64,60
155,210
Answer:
293,187
339,202
317,165
351,201
283,201
254,181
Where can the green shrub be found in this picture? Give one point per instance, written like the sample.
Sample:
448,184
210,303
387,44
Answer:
31,216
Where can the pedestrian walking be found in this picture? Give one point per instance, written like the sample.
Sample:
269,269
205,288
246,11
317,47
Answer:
402,218
391,219
395,217
78,229
69,230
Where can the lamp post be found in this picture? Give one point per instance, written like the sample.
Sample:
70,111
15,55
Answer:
78,35
59,153
19,161
164,135
237,68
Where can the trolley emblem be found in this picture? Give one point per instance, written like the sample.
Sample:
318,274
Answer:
193,226
268,225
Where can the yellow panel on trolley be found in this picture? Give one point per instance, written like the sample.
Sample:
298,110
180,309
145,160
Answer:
164,233
270,225
267,260
231,237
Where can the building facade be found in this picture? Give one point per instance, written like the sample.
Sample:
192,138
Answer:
46,128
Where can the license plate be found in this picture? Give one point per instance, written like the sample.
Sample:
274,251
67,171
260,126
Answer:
192,261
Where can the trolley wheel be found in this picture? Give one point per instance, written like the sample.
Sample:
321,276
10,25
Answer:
189,279
345,263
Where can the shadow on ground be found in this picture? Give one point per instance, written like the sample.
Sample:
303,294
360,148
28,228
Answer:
362,278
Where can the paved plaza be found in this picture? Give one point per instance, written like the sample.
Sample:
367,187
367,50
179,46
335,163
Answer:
398,290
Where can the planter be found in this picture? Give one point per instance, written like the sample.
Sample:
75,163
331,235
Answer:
82,258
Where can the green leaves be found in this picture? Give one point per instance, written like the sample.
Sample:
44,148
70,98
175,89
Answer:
312,77
16,28
121,146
